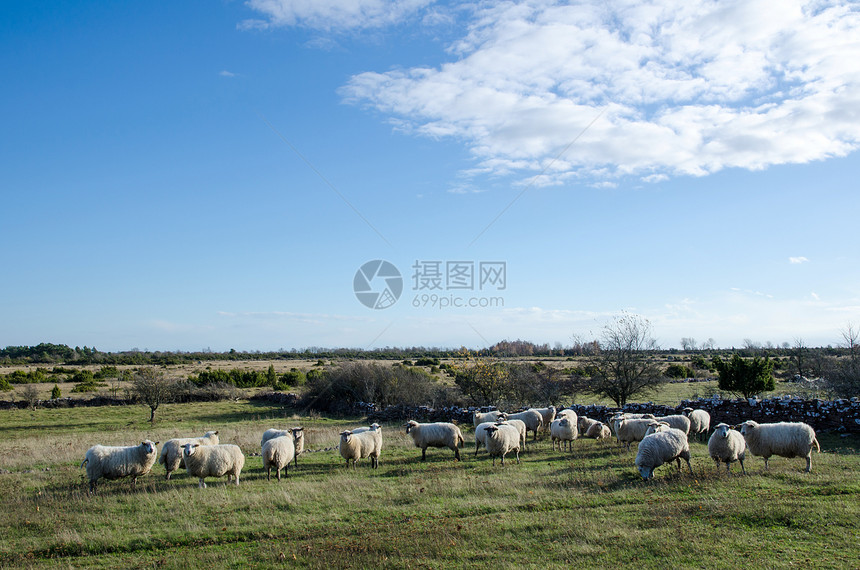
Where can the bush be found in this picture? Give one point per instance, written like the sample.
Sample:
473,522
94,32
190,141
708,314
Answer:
86,382
746,377
55,392
4,384
679,371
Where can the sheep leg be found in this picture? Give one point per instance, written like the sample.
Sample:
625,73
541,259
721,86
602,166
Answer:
236,478
268,473
766,467
201,484
456,454
477,446
518,456
742,466
809,463
423,453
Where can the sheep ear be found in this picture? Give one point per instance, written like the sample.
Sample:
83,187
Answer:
216,432
156,443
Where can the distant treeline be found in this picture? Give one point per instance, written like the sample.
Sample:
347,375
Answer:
47,353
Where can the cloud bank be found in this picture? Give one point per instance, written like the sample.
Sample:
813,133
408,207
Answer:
680,87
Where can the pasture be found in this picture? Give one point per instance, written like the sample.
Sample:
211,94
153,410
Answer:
588,508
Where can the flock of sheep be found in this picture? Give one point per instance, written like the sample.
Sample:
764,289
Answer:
660,440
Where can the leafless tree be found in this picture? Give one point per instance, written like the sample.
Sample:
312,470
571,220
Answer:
30,394
688,343
153,388
625,364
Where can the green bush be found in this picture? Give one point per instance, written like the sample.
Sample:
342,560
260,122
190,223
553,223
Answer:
746,377
679,371
4,384
55,392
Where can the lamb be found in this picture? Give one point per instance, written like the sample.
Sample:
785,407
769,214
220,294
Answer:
727,445
700,421
359,445
297,433
662,447
631,430
547,416
521,428
598,430
501,440
439,434
676,421
278,452
203,461
563,432
478,418
171,451
115,462
531,418
786,439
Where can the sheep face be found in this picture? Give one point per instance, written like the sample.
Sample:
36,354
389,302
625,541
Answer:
189,448
345,435
748,427
646,472
409,425
722,431
491,430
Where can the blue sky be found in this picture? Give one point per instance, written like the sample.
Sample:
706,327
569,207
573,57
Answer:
189,175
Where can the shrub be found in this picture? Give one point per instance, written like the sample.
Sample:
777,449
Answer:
679,371
746,377
55,392
4,384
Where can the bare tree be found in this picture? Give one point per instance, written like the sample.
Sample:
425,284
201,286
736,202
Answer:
709,344
625,365
851,336
688,343
30,394
843,375
799,353
153,388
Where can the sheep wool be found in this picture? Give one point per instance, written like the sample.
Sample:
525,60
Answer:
501,440
521,428
278,452
631,430
662,447
563,432
357,446
584,423
171,451
478,418
598,430
727,445
203,461
785,439
532,418
438,434
481,435
700,421
116,462
297,433
676,421
547,416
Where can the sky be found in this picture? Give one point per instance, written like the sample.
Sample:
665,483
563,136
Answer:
288,174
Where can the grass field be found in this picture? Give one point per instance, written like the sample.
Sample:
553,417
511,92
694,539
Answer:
585,509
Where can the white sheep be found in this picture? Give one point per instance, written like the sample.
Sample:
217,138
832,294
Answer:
786,439
616,419
438,434
521,428
700,421
547,416
727,445
298,435
278,452
171,451
478,418
116,462
532,418
631,430
584,423
501,440
676,421
563,433
203,461
357,446
656,427
481,435
363,429
598,430
567,413
662,447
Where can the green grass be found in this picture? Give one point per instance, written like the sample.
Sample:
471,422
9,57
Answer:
588,509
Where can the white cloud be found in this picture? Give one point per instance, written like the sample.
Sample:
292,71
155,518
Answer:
797,260
684,87
332,14
225,73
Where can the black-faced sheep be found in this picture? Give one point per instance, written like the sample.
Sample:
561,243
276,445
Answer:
786,439
727,445
116,462
438,434
501,440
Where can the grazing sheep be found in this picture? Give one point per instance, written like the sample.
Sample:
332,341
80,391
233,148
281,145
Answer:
598,430
439,434
501,440
278,452
563,432
531,418
478,418
547,416
662,447
171,451
700,421
786,439
616,419
727,445
521,427
676,421
203,461
115,462
359,445
297,433
631,430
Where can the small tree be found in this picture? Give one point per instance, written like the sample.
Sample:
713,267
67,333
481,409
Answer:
625,367
55,392
153,388
30,394
745,377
